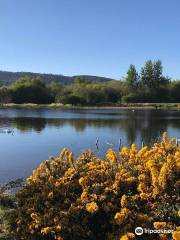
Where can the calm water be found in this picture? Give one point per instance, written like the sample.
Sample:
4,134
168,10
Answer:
38,134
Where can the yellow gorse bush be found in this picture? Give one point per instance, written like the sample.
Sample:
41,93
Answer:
90,198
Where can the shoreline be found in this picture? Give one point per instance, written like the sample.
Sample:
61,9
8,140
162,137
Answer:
175,106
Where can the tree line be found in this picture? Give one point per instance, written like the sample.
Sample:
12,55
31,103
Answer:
148,85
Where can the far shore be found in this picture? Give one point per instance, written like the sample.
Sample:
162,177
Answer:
175,106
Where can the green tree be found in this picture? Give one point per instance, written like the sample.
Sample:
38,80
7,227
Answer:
132,78
152,75
175,91
70,99
78,80
147,75
30,90
159,79
157,73
5,95
55,90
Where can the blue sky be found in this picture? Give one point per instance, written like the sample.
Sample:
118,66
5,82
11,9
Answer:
97,37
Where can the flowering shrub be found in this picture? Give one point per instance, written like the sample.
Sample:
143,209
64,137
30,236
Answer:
105,199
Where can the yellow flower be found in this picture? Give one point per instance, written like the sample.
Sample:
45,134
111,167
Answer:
163,175
142,151
34,216
176,235
159,225
92,207
63,153
133,148
138,167
127,236
118,218
81,181
46,230
141,187
165,138
131,180
111,156
121,216
84,196
142,177
124,152
70,157
144,196
150,163
50,195
154,175
124,200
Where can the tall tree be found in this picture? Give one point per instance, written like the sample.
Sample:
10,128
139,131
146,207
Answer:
132,78
147,75
160,80
152,75
158,72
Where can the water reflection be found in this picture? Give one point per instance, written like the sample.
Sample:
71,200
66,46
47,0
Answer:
146,125
39,134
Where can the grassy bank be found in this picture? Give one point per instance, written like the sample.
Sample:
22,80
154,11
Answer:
116,106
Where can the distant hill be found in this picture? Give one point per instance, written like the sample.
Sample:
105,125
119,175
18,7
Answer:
10,77
94,78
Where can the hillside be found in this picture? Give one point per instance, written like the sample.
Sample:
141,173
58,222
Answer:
10,77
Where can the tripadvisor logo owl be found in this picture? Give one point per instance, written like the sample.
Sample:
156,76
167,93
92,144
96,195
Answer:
139,231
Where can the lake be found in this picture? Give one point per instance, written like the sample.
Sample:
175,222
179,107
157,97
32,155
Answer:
28,137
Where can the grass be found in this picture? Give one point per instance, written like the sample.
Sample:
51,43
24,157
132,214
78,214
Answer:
6,219
115,106
8,208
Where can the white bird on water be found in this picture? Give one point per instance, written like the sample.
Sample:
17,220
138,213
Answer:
111,144
9,131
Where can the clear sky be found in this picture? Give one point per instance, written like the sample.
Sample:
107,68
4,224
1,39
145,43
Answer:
97,37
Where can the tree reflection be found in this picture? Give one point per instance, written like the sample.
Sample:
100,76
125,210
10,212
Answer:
138,125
